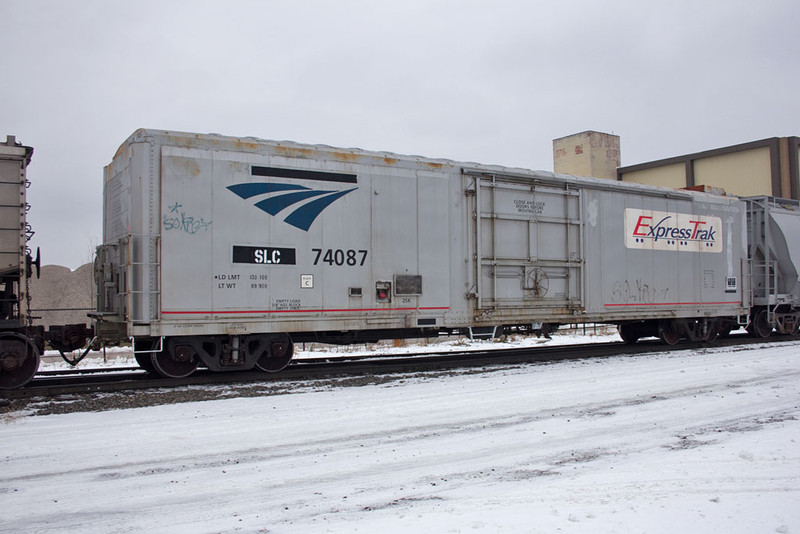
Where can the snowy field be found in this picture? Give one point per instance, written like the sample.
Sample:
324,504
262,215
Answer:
693,441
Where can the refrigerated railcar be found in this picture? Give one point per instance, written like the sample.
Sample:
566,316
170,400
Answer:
223,252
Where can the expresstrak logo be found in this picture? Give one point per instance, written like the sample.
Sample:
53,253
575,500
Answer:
280,196
682,232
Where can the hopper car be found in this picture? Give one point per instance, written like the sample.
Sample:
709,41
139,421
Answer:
21,340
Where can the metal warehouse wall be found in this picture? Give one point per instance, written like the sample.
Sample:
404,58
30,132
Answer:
744,173
666,175
765,167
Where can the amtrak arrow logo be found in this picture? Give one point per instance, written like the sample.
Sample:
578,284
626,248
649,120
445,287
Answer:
280,196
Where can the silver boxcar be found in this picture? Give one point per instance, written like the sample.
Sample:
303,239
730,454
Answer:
224,250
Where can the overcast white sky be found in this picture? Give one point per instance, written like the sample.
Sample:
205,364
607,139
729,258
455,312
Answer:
491,82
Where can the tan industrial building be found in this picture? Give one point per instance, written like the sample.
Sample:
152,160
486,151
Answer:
766,167
587,153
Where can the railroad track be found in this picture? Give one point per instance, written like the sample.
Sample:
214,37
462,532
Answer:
50,384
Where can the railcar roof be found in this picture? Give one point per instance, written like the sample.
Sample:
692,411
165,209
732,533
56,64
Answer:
255,145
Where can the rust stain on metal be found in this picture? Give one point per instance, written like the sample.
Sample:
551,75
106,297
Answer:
348,157
192,167
390,161
293,152
244,145
433,165
186,166
122,148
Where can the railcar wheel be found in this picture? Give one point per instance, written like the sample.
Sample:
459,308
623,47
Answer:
145,362
144,358
19,360
792,327
761,326
175,361
281,350
795,330
629,333
712,334
703,330
668,331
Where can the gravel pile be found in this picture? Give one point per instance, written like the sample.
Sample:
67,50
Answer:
61,287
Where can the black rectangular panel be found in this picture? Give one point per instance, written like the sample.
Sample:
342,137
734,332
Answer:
301,174
264,255
407,284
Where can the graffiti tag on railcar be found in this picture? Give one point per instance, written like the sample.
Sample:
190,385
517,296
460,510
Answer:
179,220
637,291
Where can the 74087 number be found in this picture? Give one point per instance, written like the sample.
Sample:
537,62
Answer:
337,256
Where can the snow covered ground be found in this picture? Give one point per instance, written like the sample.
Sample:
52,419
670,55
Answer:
693,441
